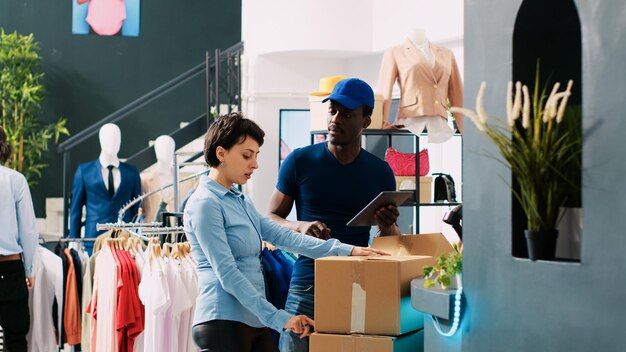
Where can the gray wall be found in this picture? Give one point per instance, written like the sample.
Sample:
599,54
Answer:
518,305
89,77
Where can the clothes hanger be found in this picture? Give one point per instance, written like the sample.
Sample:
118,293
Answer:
269,246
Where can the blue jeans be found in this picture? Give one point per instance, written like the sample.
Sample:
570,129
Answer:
299,301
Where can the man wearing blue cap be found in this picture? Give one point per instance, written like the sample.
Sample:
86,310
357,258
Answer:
330,183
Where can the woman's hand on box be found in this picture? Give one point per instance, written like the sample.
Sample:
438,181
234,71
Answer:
366,251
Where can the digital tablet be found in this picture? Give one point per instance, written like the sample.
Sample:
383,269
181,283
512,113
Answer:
366,216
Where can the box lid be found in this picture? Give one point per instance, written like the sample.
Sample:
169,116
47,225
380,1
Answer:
429,244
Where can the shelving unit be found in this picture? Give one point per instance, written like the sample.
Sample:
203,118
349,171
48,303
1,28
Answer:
389,134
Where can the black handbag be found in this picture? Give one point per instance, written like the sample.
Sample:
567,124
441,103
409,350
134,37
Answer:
444,188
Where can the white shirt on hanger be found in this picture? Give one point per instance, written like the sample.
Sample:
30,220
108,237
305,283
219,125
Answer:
48,273
180,303
190,278
104,301
155,296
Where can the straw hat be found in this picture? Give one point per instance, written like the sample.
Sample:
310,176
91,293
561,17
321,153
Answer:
327,84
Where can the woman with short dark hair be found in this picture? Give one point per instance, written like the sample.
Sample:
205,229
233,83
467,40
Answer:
226,234
18,245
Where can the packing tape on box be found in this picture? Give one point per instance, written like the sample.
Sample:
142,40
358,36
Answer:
351,344
357,319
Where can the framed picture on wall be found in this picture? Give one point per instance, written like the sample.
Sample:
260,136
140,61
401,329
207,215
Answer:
294,132
106,18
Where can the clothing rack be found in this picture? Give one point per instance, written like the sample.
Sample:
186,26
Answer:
147,228
129,227
125,225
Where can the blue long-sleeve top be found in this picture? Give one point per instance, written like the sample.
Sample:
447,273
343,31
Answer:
17,218
226,233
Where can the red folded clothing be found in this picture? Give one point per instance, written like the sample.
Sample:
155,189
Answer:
403,164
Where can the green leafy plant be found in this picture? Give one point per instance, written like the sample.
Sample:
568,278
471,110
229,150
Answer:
447,267
542,152
21,96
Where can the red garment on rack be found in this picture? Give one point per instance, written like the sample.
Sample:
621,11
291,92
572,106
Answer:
129,316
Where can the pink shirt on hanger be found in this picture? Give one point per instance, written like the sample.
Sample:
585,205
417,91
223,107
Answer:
106,16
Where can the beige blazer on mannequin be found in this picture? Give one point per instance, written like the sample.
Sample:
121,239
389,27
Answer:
424,89
150,182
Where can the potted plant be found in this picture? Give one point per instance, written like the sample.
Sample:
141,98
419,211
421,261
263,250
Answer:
447,272
538,150
21,95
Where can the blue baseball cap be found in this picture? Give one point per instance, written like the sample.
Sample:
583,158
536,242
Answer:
352,93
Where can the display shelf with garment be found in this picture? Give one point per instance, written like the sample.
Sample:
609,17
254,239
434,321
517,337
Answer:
103,189
429,82
389,135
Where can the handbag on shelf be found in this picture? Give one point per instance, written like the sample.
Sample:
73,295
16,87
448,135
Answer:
444,188
403,164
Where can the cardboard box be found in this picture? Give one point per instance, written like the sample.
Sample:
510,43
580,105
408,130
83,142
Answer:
408,183
412,342
319,113
371,295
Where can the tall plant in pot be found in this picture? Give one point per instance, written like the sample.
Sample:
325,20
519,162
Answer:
538,149
21,96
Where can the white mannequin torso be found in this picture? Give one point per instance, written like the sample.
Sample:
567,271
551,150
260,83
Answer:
164,148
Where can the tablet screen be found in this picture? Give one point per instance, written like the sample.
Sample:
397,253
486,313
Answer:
366,216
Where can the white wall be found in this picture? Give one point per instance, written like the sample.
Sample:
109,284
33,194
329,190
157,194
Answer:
290,45
286,25
393,19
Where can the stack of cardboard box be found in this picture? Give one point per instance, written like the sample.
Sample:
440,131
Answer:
364,303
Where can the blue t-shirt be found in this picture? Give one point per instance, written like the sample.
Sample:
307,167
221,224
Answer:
325,190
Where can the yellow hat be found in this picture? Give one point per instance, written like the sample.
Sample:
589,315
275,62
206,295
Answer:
327,84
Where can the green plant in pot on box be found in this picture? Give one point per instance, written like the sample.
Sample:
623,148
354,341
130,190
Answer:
447,271
21,95
538,150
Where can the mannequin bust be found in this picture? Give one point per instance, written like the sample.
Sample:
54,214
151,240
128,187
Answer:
92,187
164,147
429,80
162,174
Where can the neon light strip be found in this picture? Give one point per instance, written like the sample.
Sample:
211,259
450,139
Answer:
456,317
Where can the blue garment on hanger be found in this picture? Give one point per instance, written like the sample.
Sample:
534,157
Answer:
290,257
285,266
278,287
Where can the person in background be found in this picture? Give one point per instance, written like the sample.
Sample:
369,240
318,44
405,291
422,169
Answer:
18,244
226,234
330,183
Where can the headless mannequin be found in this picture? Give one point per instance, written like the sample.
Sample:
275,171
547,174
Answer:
164,147
436,124
92,185
160,175
110,140
417,36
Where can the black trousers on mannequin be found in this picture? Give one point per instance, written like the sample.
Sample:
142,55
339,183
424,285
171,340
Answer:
232,336
14,315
